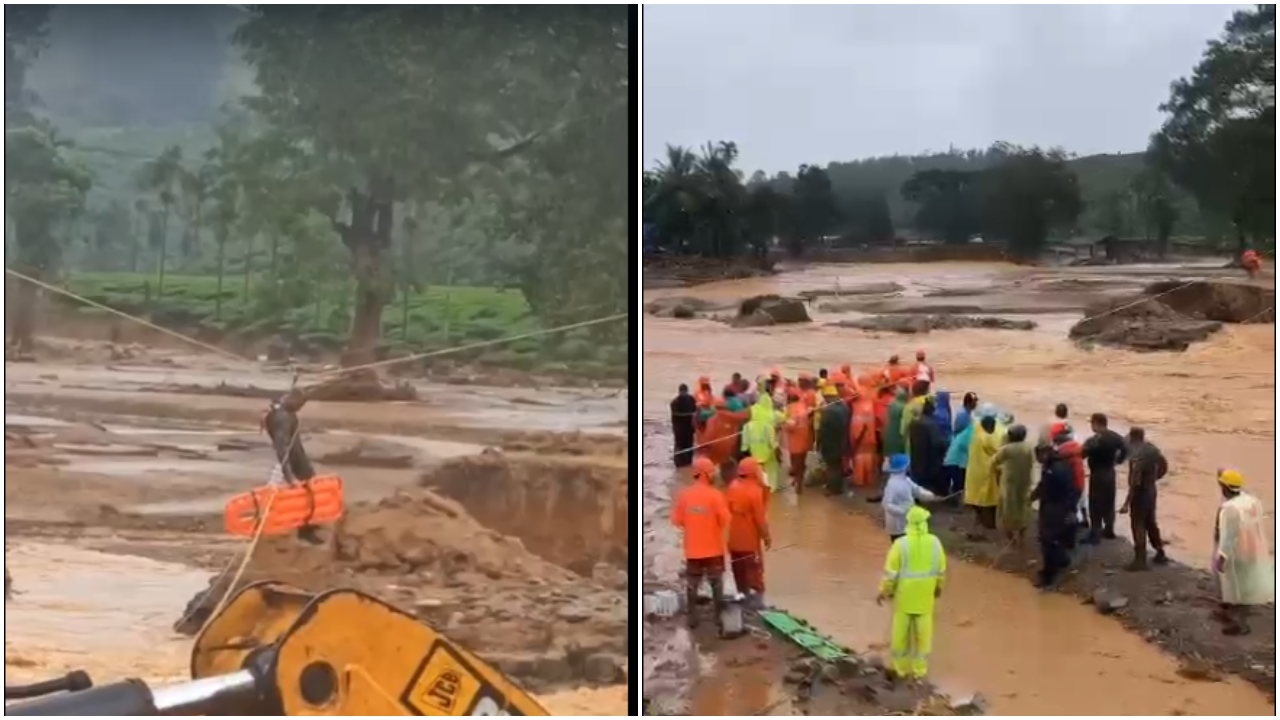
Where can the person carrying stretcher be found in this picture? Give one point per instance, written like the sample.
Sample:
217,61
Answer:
281,424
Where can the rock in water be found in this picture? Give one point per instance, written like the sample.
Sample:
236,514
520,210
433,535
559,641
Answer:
1108,602
780,310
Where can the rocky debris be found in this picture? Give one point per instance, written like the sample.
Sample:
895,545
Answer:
550,627
1199,670
955,292
1109,602
921,324
1172,315
572,513
278,351
854,686
1225,302
682,308
766,310
884,288
107,450
370,454
361,387
8,584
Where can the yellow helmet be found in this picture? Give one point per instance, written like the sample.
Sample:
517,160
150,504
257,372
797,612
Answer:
1231,479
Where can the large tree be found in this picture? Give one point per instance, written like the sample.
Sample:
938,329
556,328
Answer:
26,31
163,176
1218,141
946,203
1026,196
44,195
365,107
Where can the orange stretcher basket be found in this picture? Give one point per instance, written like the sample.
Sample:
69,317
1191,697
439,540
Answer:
315,503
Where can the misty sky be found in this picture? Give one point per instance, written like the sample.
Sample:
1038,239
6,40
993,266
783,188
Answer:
813,84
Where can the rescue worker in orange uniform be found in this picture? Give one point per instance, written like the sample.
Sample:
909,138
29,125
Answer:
749,537
702,512
1252,263
720,439
799,431
863,442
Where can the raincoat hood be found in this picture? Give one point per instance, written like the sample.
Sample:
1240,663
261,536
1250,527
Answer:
900,396
917,521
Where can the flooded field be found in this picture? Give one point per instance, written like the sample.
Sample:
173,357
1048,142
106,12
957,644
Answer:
1026,652
116,478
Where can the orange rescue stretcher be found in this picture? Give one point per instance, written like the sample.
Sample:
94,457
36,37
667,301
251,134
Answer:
313,503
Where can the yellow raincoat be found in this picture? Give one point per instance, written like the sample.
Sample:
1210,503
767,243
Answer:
1248,575
760,439
915,572
980,486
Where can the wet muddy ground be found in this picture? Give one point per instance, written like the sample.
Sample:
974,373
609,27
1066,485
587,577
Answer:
115,486
1026,652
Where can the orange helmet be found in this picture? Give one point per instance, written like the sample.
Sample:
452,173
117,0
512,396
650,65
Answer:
749,467
703,467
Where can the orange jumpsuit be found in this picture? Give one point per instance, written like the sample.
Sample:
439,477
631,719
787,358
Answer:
748,531
862,439
799,439
703,513
721,434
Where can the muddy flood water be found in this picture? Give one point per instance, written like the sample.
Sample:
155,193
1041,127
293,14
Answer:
1026,652
117,475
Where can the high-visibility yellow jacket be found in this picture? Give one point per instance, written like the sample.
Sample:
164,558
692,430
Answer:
916,567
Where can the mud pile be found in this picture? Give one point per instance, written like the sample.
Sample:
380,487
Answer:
924,324
547,626
1173,315
573,514
766,310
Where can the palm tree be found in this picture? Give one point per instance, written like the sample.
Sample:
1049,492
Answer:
141,212
163,176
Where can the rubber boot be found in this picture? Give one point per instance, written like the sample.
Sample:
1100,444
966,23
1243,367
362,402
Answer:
717,601
691,604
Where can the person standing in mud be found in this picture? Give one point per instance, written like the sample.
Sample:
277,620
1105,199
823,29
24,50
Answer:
1147,467
1242,564
684,412
294,467
928,449
1058,497
915,572
1103,452
833,437
702,512
1014,467
799,429
749,538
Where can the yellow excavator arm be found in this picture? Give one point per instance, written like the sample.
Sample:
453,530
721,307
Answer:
278,650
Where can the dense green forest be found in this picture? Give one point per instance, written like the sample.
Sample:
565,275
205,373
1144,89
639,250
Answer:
324,171
1209,172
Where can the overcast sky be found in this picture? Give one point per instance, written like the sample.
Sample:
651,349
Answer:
813,84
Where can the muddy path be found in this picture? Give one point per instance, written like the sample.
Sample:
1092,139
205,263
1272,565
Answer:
1057,659
111,486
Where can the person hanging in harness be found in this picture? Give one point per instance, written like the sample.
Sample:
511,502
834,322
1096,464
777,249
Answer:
280,423
914,574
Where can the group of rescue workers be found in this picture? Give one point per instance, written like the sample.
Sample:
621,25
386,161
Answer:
890,434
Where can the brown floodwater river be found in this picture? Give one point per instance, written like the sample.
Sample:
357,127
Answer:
1028,653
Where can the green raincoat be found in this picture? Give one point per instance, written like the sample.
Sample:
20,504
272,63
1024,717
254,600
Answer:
895,440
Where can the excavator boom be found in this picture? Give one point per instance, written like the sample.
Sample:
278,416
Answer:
279,650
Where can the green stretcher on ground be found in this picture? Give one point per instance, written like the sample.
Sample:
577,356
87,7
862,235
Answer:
802,634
